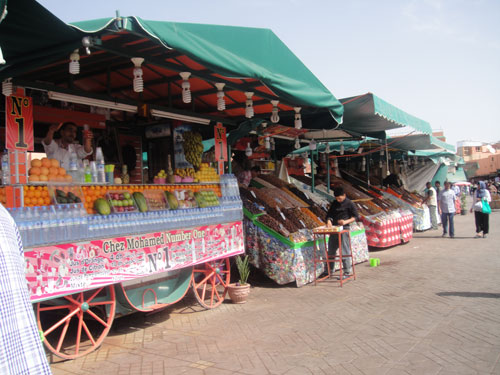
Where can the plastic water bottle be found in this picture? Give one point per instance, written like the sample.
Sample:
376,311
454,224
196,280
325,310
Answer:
87,175
5,168
99,160
73,164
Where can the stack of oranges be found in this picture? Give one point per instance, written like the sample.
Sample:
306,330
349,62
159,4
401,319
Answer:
36,196
43,170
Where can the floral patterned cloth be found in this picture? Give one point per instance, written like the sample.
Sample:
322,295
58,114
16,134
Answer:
284,264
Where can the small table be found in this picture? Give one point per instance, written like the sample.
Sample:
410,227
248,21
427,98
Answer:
331,259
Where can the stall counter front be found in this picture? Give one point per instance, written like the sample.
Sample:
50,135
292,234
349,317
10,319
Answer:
284,261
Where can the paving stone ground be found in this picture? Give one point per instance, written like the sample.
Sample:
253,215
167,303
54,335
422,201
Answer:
431,307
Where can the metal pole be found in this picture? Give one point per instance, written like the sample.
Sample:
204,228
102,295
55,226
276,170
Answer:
312,172
229,157
328,172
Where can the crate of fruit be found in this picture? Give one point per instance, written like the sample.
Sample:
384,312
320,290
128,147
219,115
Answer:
206,198
155,200
64,194
121,201
185,198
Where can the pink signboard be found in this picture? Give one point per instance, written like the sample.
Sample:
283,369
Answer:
58,270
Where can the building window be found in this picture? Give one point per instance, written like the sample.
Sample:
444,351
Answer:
466,151
478,149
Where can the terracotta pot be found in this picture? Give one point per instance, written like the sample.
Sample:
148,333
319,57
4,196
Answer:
238,293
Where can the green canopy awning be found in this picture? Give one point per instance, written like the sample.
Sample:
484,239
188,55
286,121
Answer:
334,146
235,52
369,115
446,146
458,176
419,142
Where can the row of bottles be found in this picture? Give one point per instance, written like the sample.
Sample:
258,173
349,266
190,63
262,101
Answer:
88,172
67,223
229,185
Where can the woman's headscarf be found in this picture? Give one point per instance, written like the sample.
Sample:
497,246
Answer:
482,189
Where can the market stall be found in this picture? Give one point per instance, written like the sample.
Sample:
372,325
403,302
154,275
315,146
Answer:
279,223
149,215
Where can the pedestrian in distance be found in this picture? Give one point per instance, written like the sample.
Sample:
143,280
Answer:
21,350
482,219
447,206
431,201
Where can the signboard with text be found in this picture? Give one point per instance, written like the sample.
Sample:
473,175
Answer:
19,123
220,142
58,270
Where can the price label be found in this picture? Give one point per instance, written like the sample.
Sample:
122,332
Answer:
283,216
317,217
281,227
277,200
253,193
301,222
307,196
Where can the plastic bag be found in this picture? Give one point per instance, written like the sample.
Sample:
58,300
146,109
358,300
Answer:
486,207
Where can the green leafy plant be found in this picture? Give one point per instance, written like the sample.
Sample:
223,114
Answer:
243,268
463,200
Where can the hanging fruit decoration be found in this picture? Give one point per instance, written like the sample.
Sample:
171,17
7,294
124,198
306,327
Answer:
193,148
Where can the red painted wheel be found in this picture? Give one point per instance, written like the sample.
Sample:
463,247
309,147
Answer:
76,325
210,281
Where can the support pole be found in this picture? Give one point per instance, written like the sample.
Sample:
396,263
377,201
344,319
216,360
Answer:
312,172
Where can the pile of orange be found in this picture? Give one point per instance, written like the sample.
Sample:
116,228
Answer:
36,196
43,170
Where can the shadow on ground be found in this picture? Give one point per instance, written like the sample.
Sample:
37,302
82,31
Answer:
469,294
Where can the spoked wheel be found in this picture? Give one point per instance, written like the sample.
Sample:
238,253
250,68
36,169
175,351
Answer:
76,325
210,281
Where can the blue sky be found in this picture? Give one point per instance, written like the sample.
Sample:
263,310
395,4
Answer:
436,59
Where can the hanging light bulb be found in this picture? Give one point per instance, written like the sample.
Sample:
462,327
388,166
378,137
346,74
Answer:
221,102
341,147
327,149
268,143
298,118
363,165
249,105
312,145
7,87
138,81
74,64
186,87
248,150
297,143
274,114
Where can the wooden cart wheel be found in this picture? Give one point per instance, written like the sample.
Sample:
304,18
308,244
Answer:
76,325
210,282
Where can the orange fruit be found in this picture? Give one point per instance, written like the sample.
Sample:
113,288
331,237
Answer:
40,201
36,163
37,193
68,178
45,193
34,171
46,162
44,171
34,178
43,177
54,163
27,201
62,171
52,177
46,201
60,178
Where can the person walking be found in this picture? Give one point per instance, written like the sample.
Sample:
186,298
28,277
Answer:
21,350
447,207
431,201
482,219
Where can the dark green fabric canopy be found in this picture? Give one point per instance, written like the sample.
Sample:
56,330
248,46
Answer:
31,36
235,52
369,115
418,142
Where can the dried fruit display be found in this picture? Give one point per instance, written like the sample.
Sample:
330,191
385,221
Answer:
315,221
284,220
367,208
294,197
273,180
271,223
301,195
385,204
319,212
284,200
251,206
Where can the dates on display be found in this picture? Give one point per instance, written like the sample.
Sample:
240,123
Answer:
271,223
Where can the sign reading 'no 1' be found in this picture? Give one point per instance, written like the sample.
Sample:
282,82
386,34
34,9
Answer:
19,123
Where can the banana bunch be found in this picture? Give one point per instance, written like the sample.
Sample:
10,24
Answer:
193,148
184,172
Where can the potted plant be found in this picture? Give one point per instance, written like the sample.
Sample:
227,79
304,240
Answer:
463,203
238,292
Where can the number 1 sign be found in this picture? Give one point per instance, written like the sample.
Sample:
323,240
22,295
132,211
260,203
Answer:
19,123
